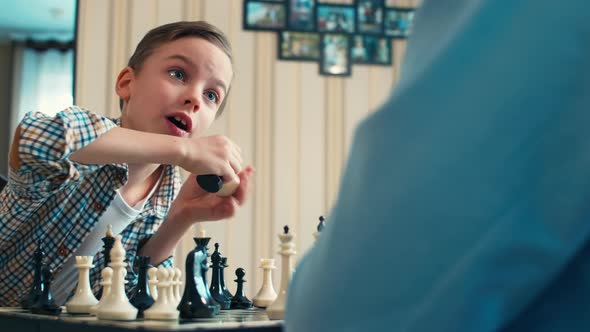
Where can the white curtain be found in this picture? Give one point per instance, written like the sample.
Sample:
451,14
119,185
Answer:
42,81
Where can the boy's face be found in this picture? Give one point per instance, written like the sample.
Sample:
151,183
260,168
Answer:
178,89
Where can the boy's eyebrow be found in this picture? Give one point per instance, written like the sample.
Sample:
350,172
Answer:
189,62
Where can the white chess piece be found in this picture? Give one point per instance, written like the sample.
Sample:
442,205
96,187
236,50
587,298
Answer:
116,305
106,282
163,308
83,300
153,282
277,309
178,285
172,287
266,295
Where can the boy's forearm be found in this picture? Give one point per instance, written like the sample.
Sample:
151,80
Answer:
121,145
160,246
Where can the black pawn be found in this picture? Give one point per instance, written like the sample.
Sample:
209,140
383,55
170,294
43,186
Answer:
240,301
141,297
37,286
321,224
46,305
216,289
226,291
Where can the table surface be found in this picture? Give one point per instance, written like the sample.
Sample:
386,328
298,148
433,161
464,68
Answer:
227,320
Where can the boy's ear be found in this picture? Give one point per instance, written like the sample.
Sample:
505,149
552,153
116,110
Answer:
123,85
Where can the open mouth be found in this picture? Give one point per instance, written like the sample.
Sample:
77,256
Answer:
178,122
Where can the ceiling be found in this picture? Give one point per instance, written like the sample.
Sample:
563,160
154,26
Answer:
39,19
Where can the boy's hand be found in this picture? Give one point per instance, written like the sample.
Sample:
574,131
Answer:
193,204
212,155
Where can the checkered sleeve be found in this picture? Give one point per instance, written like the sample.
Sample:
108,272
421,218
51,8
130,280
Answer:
46,142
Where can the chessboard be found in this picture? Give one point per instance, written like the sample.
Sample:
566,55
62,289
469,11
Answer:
253,320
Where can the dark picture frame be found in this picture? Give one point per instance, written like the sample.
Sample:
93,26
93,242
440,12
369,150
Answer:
336,35
369,16
398,21
335,54
301,15
296,45
335,18
371,50
264,15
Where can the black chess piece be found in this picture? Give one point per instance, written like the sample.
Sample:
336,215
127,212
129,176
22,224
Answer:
108,242
37,286
211,183
196,300
223,265
240,301
321,224
216,290
204,269
46,305
141,298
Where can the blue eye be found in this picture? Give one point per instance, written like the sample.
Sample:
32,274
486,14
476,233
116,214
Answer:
212,96
177,74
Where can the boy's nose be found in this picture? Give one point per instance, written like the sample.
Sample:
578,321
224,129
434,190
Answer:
192,102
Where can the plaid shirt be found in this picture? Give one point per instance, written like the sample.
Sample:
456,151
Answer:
55,201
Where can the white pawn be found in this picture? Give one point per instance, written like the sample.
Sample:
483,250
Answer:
83,300
177,285
277,309
116,305
162,309
106,282
172,287
153,282
266,295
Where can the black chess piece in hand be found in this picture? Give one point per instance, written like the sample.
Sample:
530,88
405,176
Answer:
46,305
240,301
211,183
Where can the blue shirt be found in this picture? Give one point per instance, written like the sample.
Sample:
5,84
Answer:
465,203
55,201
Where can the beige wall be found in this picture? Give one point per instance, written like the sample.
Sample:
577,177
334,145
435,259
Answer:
293,125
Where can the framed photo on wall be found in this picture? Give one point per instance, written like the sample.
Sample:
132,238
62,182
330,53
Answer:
335,18
335,54
264,15
302,46
369,16
371,50
398,22
301,15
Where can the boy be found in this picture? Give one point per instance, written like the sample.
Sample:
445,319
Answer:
73,174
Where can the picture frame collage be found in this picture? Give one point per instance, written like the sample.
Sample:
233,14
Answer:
335,35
